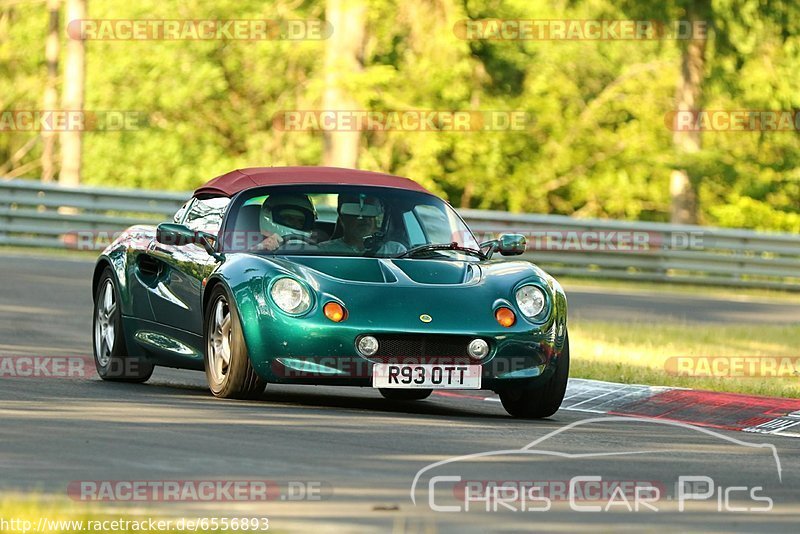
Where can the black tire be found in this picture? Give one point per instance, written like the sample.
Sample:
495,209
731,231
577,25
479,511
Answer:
405,394
113,362
528,403
237,379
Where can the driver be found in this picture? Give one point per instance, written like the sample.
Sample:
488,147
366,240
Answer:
285,215
358,215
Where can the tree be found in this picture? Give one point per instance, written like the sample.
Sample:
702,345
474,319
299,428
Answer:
72,98
689,97
343,58
52,47
594,144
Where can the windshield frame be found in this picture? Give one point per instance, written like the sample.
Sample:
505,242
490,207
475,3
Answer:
240,198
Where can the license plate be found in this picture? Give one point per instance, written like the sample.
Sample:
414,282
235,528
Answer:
428,376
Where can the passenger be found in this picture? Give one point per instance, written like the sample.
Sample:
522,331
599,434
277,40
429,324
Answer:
358,217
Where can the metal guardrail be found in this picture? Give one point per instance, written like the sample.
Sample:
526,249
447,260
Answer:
33,214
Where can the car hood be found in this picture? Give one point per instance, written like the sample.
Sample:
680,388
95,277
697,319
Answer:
385,270
403,272
391,294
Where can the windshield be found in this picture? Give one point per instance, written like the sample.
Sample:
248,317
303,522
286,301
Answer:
339,220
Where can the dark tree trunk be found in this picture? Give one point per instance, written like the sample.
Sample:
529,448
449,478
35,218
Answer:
683,197
72,98
51,92
343,57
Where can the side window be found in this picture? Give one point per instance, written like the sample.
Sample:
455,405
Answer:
434,223
182,211
415,234
206,215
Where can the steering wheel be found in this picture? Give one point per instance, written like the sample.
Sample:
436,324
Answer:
373,241
297,237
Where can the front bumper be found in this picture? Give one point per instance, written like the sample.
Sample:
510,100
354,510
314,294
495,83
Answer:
311,352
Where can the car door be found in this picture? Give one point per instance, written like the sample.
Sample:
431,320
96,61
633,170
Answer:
176,298
144,270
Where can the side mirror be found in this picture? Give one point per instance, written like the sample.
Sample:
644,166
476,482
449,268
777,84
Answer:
511,244
506,244
175,234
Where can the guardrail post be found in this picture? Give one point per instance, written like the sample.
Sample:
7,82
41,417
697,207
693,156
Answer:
664,245
4,221
741,265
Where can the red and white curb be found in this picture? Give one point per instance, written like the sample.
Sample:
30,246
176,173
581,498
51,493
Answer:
727,411
788,425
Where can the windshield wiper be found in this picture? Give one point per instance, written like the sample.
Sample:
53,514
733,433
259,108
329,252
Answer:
430,247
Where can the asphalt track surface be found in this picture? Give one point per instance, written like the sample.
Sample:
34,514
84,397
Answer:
363,452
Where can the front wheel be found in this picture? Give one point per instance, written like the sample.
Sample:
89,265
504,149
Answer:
405,394
228,369
542,402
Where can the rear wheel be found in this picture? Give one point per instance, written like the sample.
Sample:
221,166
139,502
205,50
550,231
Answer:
228,369
110,355
405,394
544,401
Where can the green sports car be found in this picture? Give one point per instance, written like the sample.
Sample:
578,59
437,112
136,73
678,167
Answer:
313,275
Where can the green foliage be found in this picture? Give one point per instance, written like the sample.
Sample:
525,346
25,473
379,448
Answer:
596,146
22,75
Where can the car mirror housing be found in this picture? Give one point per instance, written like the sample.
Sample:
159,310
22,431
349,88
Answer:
175,234
506,244
511,244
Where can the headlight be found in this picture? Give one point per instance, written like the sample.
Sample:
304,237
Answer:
290,296
368,346
478,349
530,300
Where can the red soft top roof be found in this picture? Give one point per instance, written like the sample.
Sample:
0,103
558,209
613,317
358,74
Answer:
231,183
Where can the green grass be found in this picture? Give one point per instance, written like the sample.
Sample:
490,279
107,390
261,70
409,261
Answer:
698,290
48,251
26,508
639,353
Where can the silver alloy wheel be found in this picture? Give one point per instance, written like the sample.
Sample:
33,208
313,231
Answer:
219,341
104,324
